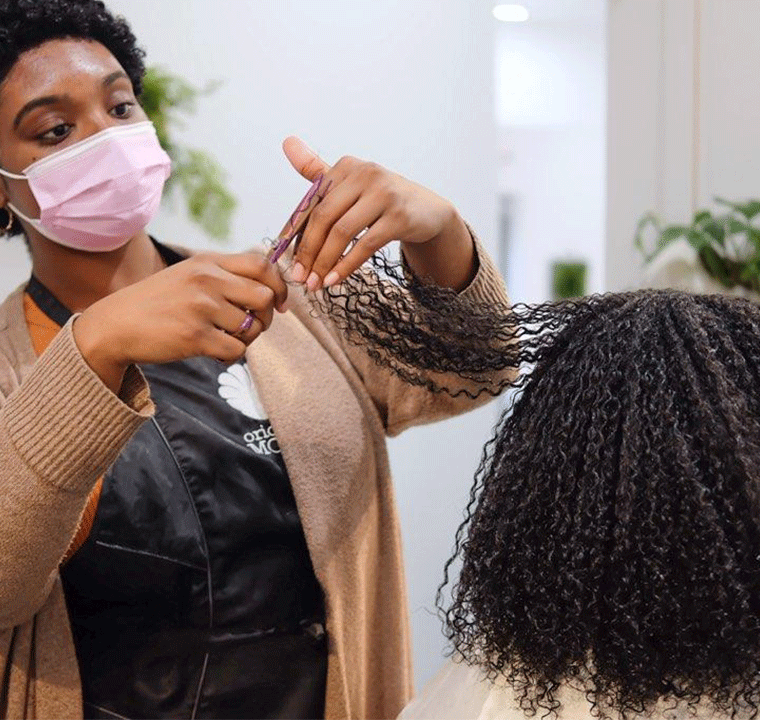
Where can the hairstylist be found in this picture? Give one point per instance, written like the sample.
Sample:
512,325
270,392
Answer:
184,537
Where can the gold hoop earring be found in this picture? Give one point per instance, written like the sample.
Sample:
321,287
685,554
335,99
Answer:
11,219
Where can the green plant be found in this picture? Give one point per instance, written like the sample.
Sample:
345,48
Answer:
727,244
568,280
200,178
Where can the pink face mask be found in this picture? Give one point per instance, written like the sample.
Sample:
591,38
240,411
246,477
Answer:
99,193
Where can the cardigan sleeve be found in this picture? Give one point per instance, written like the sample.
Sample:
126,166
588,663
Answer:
60,430
402,405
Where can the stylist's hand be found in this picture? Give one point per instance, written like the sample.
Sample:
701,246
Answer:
363,195
196,307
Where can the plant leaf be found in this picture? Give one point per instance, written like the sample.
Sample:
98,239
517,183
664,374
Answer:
665,236
647,221
734,226
753,234
752,209
209,203
698,239
672,233
715,229
749,273
749,209
715,265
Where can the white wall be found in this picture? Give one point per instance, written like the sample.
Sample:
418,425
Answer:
550,107
407,84
684,105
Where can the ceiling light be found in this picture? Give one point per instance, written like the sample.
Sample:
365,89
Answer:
511,13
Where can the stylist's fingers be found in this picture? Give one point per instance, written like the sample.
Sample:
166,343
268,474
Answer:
246,326
350,180
254,266
245,296
330,211
378,236
242,322
223,346
306,162
342,234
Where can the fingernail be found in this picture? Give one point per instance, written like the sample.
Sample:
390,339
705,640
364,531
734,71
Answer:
331,279
284,306
298,273
313,282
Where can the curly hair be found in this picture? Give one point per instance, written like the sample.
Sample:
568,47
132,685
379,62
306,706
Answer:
612,538
26,24
426,334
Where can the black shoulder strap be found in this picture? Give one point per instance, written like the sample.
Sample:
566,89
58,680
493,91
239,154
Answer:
57,311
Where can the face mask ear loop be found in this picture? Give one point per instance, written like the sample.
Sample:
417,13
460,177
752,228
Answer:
13,176
9,205
36,225
31,221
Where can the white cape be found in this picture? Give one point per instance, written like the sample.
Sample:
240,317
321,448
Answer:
460,692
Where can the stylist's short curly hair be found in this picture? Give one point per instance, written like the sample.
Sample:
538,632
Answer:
26,24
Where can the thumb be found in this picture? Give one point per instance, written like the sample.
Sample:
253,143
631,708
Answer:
303,158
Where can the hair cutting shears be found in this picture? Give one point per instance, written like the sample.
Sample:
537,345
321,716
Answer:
297,221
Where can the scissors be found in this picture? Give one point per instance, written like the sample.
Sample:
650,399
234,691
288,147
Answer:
295,224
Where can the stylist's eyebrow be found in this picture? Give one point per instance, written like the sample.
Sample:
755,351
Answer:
38,102
53,99
113,77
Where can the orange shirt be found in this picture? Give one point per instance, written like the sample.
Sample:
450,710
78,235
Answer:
42,330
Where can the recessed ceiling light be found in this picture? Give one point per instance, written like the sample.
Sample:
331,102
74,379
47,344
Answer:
511,13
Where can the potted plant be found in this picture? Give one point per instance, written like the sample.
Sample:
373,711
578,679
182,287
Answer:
726,244
195,173
568,279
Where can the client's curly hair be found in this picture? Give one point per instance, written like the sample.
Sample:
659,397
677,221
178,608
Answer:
431,336
26,24
612,539
613,534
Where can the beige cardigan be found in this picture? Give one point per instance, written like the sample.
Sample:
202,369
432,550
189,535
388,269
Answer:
330,407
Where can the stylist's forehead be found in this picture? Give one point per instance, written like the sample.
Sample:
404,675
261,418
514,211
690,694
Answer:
59,73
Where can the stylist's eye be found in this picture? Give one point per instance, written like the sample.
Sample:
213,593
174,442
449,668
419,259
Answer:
56,134
123,110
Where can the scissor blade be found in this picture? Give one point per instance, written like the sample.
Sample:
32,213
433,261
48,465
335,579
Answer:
300,215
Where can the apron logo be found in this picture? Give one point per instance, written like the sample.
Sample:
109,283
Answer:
237,388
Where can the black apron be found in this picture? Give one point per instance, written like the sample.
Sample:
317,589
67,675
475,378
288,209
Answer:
194,595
